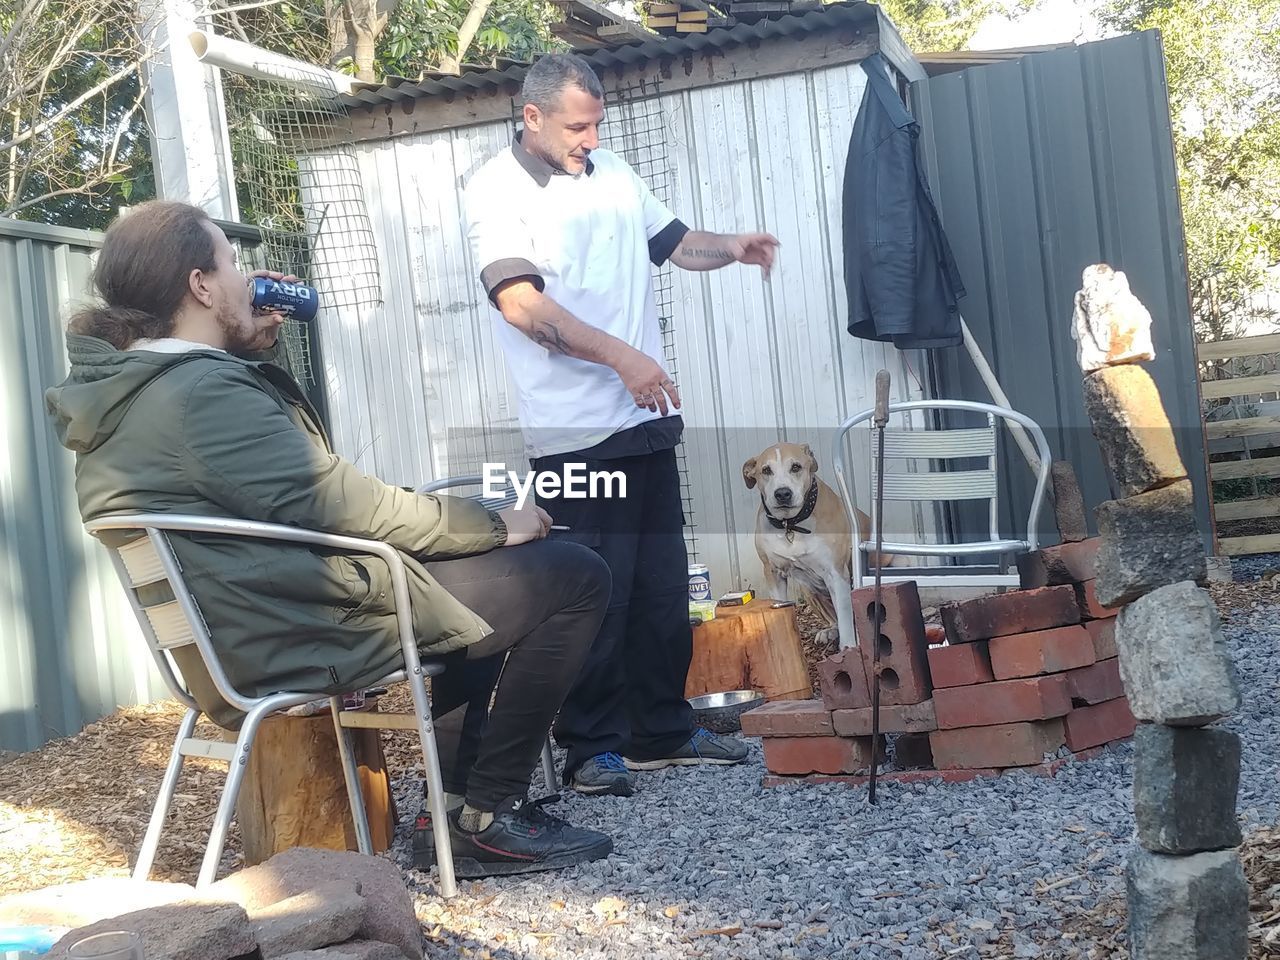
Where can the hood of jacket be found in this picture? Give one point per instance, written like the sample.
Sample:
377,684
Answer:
103,382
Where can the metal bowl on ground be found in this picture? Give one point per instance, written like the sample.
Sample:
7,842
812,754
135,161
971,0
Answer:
722,712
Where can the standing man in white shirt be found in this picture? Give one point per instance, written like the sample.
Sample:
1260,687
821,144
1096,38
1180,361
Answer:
564,234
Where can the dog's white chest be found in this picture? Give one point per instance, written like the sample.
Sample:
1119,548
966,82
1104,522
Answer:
797,550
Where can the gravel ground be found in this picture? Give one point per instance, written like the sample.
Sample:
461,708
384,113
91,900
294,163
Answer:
708,863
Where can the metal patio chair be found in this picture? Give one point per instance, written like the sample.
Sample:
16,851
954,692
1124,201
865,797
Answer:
149,560
935,446
507,498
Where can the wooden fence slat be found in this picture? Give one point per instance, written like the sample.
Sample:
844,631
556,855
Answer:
1239,469
1240,347
1243,546
1244,427
1247,509
1240,386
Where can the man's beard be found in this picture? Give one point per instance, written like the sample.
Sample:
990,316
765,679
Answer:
557,163
240,337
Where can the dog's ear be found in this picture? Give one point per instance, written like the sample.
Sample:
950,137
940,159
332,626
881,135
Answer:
749,473
813,461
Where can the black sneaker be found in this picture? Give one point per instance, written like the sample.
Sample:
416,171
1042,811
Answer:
703,747
424,842
523,838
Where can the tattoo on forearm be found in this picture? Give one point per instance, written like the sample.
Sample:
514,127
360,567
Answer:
720,256
546,333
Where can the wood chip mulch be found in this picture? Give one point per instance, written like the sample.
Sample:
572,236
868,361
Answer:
78,807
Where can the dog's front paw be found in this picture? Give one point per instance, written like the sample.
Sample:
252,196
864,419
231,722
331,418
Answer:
827,637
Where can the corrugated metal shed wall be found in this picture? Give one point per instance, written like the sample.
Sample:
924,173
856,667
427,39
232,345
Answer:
418,388
1042,167
69,647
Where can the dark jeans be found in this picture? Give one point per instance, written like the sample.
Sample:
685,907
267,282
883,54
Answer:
545,602
629,697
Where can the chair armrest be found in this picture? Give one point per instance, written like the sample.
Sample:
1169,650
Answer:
224,526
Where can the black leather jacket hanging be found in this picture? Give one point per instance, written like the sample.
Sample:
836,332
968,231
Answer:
900,275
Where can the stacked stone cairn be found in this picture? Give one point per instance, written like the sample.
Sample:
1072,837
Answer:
1187,894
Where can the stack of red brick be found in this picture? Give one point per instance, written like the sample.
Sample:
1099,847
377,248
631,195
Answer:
1022,674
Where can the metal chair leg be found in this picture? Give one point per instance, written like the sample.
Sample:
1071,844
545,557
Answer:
435,784
164,799
351,774
230,792
549,767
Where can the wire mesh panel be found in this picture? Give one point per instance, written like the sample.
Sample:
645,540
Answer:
300,201
635,128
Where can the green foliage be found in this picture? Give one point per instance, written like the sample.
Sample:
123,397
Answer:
1222,59
421,33
75,141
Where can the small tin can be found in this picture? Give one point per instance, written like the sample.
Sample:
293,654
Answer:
353,701
297,301
699,582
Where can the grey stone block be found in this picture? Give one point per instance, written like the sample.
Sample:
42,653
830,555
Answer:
1173,660
1184,788
1148,541
354,950
190,930
1068,502
388,917
329,913
1132,428
1187,908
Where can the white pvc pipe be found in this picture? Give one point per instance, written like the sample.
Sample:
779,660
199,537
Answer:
998,395
250,61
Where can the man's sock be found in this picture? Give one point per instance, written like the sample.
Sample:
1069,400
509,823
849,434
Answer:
473,820
452,801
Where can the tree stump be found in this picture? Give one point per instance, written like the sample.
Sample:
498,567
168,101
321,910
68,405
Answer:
751,647
294,794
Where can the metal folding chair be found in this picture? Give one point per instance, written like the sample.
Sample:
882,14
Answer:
506,498
149,559
930,446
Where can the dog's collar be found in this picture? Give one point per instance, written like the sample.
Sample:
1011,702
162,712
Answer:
792,524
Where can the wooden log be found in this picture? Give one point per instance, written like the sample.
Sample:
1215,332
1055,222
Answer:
294,794
752,647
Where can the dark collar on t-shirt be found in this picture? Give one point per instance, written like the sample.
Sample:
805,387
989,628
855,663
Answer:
536,167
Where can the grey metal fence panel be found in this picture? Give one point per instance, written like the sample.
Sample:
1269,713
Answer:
69,650
1041,167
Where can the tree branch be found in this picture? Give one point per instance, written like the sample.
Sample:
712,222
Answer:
466,33
37,129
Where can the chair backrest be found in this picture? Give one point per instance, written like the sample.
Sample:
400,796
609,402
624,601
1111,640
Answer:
927,447
506,491
148,561
930,446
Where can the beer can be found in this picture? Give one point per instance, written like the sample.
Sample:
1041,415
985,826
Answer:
699,582
297,301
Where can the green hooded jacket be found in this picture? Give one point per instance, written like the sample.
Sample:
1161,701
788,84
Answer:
214,435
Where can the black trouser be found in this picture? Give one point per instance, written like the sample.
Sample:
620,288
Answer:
545,602
629,697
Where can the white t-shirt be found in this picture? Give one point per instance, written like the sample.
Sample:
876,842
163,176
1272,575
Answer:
588,242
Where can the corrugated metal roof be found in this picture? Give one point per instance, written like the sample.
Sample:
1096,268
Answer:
475,78
949,61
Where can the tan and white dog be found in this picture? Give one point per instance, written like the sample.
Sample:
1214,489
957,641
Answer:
803,534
